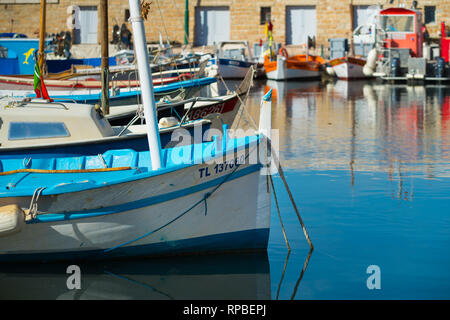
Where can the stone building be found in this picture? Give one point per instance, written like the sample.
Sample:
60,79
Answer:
214,20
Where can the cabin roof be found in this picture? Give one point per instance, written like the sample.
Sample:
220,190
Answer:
397,11
82,122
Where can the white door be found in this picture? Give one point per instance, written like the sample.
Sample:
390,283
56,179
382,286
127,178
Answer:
212,25
364,15
300,24
88,24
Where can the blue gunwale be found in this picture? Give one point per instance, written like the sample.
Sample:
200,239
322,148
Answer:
235,63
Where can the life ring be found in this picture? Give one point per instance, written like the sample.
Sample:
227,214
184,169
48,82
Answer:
283,52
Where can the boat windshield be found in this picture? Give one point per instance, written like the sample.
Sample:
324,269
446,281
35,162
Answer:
401,23
36,130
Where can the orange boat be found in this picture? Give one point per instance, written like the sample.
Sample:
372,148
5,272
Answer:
302,66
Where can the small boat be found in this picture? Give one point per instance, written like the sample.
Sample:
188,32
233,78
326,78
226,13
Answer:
233,59
125,72
226,107
347,68
122,203
120,96
24,82
302,66
115,204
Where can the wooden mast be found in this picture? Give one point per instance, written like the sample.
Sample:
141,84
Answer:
41,54
105,55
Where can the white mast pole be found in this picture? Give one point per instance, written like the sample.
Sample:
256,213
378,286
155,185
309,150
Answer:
145,77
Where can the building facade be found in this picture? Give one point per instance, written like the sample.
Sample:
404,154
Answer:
214,20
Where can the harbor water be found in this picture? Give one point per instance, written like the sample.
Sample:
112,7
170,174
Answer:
368,165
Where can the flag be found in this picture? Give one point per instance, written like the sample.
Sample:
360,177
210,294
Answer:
39,85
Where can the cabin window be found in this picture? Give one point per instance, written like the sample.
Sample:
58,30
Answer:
397,23
36,130
430,14
264,15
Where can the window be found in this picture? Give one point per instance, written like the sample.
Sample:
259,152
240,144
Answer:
365,14
265,15
35,130
127,14
397,23
430,14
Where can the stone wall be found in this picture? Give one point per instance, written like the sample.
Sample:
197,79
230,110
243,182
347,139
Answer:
334,17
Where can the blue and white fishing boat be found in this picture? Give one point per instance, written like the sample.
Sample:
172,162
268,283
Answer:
115,204
233,59
126,203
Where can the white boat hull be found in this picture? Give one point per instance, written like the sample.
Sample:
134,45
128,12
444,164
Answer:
348,70
233,69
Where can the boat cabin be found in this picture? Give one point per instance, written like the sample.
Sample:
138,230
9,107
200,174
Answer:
235,49
403,28
38,122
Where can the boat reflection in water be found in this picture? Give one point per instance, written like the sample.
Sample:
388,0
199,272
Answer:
225,276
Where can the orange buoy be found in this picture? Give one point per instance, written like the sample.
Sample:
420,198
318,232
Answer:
283,52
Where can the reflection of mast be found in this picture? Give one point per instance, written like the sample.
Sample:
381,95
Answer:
352,144
400,180
402,194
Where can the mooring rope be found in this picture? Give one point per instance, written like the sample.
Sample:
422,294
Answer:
33,208
279,214
281,173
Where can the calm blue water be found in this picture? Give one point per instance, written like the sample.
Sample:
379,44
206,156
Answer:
369,168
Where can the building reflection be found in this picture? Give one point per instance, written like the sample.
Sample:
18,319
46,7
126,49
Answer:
361,125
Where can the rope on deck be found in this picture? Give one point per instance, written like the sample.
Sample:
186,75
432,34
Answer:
64,171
